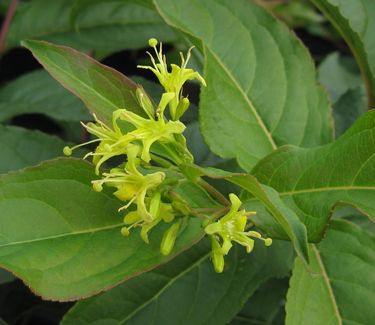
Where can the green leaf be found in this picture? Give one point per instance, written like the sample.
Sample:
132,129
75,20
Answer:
266,306
354,216
314,181
107,26
340,289
355,21
63,239
348,108
37,92
340,76
21,147
101,88
186,290
261,89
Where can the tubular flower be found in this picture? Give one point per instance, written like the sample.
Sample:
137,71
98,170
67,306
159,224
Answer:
160,211
149,131
231,228
112,141
174,80
131,185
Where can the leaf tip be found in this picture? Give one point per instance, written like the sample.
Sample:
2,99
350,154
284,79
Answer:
26,43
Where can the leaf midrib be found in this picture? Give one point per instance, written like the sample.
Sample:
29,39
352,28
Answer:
323,189
75,233
246,98
267,133
165,287
72,76
328,284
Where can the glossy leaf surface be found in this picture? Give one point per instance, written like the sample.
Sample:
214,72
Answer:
261,89
340,287
313,181
63,239
102,89
208,298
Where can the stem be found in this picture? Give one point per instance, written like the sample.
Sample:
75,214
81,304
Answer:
176,159
209,210
161,161
214,192
6,23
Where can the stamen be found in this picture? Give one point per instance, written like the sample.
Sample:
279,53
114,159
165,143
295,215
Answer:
69,150
128,204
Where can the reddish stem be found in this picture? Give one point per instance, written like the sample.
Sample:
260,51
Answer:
6,23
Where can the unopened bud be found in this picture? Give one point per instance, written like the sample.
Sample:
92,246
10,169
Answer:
169,238
217,256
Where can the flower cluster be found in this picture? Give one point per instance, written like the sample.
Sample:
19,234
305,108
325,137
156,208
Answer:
133,136
231,227
149,143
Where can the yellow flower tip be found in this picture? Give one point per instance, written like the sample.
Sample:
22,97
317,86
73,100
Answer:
98,187
240,222
67,151
268,242
125,231
254,234
152,42
234,199
185,101
213,228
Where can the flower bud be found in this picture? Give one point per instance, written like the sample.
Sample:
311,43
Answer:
217,256
169,238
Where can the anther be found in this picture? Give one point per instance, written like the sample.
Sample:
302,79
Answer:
67,151
152,42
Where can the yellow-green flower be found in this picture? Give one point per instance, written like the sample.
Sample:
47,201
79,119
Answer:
131,185
112,141
160,211
174,80
231,228
149,131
